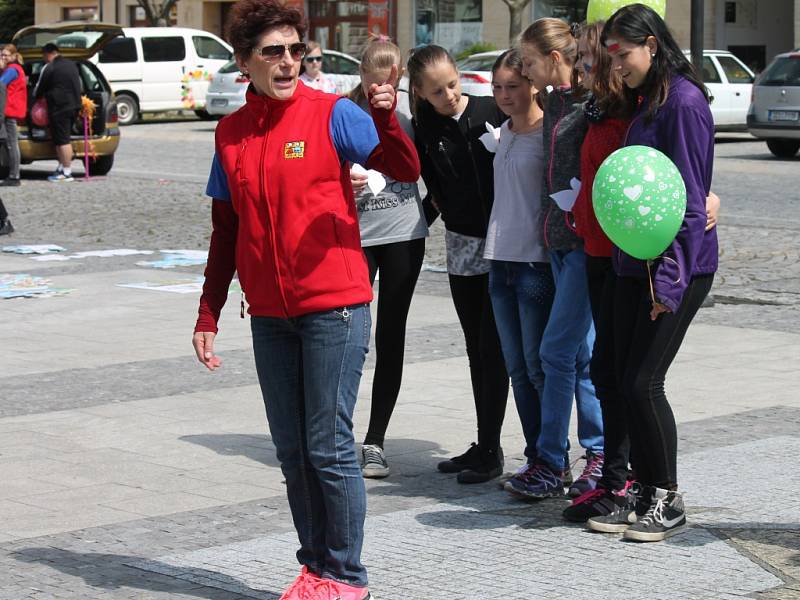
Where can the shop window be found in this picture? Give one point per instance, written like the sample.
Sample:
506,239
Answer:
453,24
572,11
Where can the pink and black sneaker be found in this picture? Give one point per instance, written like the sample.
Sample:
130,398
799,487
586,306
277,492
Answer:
590,476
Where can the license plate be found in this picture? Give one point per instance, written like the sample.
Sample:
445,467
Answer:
784,115
219,102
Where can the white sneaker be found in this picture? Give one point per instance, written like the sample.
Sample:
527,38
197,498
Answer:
60,177
373,464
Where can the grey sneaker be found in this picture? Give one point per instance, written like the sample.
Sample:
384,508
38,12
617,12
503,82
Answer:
665,517
622,516
373,463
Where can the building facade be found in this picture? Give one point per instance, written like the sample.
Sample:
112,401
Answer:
755,30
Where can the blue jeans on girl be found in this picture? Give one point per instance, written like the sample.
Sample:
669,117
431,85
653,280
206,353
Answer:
565,359
522,294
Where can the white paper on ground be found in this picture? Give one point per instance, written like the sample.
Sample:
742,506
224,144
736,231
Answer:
491,138
566,198
91,253
375,181
34,249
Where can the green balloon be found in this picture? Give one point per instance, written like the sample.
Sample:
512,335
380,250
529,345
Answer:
639,199
601,10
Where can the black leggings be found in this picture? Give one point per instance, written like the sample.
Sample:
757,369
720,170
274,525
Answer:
486,366
399,265
616,445
644,351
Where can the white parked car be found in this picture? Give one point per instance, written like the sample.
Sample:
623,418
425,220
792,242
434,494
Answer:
728,80
157,69
227,90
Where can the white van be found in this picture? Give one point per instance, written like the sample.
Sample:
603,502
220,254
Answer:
155,69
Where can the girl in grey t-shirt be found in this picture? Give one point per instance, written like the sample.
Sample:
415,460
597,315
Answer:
393,232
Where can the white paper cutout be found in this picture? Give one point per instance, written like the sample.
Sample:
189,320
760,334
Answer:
491,138
566,198
375,181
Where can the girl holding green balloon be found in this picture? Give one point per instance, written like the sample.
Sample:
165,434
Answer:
660,286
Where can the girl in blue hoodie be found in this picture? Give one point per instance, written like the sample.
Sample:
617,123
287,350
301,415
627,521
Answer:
672,115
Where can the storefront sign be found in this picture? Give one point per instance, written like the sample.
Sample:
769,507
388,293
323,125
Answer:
378,17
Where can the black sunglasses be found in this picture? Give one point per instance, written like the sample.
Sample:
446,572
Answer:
296,51
313,59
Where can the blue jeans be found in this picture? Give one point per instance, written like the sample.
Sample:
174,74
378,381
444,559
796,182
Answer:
309,368
565,354
522,294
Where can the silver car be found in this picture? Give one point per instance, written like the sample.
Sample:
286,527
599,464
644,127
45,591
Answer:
227,90
774,113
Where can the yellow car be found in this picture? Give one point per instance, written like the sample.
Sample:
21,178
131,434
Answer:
77,41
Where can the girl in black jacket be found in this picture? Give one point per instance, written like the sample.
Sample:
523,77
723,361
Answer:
458,172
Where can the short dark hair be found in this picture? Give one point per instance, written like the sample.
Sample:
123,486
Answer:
49,48
248,19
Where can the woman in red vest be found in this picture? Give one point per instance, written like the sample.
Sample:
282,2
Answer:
284,217
16,104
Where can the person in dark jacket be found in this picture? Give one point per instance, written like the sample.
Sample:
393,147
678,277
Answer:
549,51
60,84
458,172
674,117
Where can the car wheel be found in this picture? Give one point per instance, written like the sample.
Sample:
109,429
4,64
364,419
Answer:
101,165
783,148
205,115
127,109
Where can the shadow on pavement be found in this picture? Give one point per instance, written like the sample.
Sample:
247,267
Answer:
258,448
112,572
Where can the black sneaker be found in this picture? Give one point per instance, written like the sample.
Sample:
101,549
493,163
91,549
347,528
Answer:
10,182
598,502
468,460
634,504
665,517
6,227
491,466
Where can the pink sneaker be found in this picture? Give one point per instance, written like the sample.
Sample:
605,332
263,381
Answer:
310,586
299,590
320,588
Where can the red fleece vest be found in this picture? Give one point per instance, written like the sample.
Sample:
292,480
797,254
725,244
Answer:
17,100
298,246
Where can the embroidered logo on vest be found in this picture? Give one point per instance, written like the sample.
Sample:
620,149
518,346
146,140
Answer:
294,149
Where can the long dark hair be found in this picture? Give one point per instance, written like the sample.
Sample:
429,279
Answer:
637,22
418,61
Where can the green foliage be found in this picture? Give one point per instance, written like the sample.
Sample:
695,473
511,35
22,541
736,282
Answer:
473,49
14,15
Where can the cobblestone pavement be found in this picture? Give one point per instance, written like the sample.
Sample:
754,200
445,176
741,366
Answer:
126,471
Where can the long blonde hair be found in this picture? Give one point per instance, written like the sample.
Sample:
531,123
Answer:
380,54
552,35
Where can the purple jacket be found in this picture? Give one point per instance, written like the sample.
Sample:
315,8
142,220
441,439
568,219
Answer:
683,129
